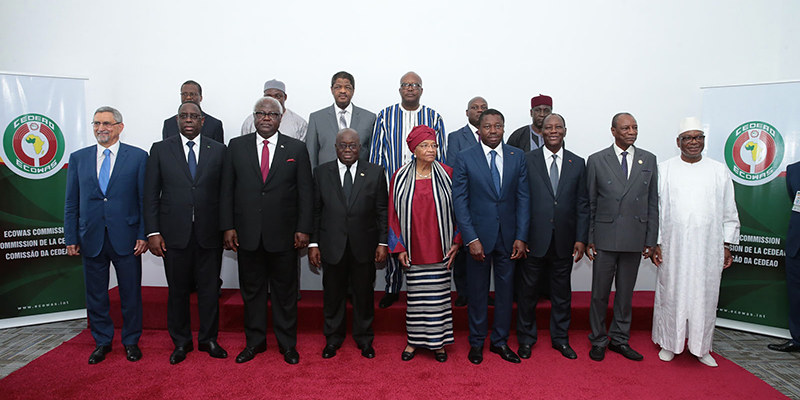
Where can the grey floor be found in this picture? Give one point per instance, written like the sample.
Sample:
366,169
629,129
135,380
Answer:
19,346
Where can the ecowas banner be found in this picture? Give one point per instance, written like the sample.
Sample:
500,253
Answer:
754,130
42,120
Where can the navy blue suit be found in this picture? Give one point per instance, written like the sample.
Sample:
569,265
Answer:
558,220
457,141
793,254
497,220
106,228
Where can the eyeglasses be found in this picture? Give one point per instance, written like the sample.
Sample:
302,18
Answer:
414,86
698,138
193,117
262,115
187,94
346,146
104,124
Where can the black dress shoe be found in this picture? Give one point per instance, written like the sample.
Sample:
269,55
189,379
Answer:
788,347
290,355
213,349
461,301
329,351
598,353
388,299
565,350
368,352
524,351
506,353
626,351
441,356
132,353
250,352
179,354
99,354
475,355
408,355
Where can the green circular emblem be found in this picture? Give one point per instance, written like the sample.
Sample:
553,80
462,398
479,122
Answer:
754,153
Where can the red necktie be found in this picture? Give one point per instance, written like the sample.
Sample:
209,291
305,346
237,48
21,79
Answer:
265,161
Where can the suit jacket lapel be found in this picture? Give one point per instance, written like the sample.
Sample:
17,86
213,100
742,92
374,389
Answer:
613,164
202,161
635,167
541,167
333,118
567,169
94,171
118,163
277,160
254,155
176,148
358,181
355,118
333,175
508,176
484,171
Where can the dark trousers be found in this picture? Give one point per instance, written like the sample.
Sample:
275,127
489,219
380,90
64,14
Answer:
185,268
608,265
258,271
360,278
393,274
478,277
129,278
793,286
460,272
558,272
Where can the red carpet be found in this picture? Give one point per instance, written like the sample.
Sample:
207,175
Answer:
64,374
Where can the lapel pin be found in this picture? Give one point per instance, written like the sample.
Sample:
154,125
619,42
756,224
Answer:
511,152
362,174
281,146
640,162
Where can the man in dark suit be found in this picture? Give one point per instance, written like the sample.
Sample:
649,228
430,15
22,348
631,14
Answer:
181,215
324,124
529,137
492,208
266,216
457,141
558,232
103,223
212,127
350,236
792,262
623,226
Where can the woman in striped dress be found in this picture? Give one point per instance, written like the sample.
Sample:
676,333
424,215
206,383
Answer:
422,230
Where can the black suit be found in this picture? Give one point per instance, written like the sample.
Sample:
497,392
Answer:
348,234
212,128
558,220
521,138
185,212
266,216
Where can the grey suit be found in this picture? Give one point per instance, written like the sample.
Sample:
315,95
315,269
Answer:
623,220
323,126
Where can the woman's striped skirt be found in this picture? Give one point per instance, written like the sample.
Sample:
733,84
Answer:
429,317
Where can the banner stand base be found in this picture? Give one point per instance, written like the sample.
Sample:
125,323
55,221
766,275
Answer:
42,319
753,328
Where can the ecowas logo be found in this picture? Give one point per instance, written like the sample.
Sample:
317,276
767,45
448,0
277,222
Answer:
33,146
754,152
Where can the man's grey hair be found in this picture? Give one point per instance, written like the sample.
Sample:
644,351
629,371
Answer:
266,99
117,115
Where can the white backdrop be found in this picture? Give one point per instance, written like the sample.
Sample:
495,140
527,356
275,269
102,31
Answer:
594,58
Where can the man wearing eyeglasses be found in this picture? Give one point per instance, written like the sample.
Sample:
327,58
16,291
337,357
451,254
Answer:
698,222
350,236
266,216
292,125
392,127
529,137
181,215
324,124
103,223
212,127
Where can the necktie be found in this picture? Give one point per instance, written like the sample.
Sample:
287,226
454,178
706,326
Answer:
192,159
554,174
625,164
347,185
495,172
105,170
265,161
342,122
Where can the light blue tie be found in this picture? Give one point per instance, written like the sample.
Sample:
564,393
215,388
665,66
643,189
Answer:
192,159
554,174
495,172
105,170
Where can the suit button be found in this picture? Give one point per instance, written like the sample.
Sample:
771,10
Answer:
551,220
555,203
262,193
105,199
194,187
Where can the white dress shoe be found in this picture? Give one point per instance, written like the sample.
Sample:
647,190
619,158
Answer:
666,355
708,360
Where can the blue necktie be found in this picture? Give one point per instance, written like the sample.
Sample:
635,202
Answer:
625,164
192,159
105,170
495,172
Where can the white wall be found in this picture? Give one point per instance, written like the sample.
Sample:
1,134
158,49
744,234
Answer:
594,58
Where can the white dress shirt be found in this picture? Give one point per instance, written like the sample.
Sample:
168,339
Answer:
348,113
113,157
498,158
628,158
196,148
343,170
548,159
271,146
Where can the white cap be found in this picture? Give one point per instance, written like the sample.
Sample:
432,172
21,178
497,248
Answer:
690,124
